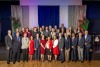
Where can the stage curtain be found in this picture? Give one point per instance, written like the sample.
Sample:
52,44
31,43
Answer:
22,13
75,13
5,21
48,15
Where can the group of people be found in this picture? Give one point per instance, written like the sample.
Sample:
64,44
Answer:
58,44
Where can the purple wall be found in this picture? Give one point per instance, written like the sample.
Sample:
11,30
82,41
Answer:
50,2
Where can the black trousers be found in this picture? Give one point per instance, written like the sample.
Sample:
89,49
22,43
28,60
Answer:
16,55
25,54
9,54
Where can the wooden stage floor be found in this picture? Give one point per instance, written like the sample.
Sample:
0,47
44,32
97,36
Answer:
95,63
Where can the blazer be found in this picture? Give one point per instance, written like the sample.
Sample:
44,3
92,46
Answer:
61,43
74,42
67,43
47,33
81,42
88,41
8,41
36,43
17,43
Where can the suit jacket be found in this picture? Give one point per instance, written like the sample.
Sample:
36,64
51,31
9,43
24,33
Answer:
74,42
47,33
67,43
8,41
61,43
17,43
36,43
81,42
88,41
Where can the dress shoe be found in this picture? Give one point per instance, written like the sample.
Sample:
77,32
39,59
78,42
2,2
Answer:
62,61
8,62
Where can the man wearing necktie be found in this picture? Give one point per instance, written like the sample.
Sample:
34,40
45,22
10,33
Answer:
37,47
87,45
9,44
16,48
67,43
73,46
61,47
80,47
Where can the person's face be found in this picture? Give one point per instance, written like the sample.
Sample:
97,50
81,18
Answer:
43,36
17,30
23,29
27,29
17,34
48,38
80,34
46,28
40,29
60,34
35,29
9,32
58,30
65,34
55,27
25,35
78,28
73,35
86,32
75,31
31,38
37,35
62,25
52,30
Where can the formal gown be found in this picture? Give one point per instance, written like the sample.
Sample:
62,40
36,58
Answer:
42,50
31,47
55,47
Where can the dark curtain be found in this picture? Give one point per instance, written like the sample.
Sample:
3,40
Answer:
48,15
5,14
93,14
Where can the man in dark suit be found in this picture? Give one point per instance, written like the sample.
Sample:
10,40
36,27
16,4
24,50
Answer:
73,46
61,47
80,47
16,48
62,27
67,46
87,45
47,32
9,44
34,32
37,47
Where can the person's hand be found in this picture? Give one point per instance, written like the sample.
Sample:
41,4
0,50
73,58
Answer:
8,48
85,43
72,46
44,47
35,49
50,50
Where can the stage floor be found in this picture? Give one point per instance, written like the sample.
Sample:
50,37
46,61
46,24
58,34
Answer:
51,64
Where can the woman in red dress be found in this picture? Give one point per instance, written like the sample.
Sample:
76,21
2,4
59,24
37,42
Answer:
42,47
49,48
55,48
31,48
